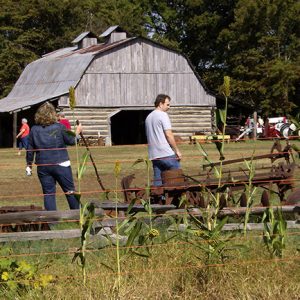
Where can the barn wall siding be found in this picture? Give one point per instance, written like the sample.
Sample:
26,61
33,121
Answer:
138,89
134,74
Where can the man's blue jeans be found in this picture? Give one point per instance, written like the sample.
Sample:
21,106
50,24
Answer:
163,164
48,176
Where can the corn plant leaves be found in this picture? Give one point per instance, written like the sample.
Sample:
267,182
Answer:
133,234
274,232
82,166
205,156
220,115
130,206
70,132
220,147
202,151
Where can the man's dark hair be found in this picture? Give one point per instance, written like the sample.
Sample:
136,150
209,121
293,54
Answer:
161,98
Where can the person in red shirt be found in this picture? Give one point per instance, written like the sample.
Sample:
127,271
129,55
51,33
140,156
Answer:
63,120
23,136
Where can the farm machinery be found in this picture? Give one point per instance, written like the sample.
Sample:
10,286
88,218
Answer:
274,174
275,177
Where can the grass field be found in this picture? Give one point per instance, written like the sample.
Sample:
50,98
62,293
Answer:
18,189
175,270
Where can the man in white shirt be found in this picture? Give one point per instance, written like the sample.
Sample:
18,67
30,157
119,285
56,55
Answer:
162,148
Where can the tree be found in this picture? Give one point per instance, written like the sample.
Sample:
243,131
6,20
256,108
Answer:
254,42
263,54
32,28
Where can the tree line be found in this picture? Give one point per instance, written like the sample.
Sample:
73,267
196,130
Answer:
254,42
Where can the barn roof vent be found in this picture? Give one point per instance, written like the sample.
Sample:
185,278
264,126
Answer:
114,34
85,39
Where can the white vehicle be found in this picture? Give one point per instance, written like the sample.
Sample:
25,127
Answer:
275,120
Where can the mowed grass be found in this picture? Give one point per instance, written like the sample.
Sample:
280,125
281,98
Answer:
176,270
19,189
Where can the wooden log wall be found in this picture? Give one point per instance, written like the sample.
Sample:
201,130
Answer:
185,120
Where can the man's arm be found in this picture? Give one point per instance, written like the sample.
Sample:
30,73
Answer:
171,140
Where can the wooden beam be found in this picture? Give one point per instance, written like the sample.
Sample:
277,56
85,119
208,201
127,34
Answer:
236,211
75,233
135,208
256,157
15,130
51,216
259,210
39,235
43,216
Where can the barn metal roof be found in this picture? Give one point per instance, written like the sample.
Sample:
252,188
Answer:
82,36
51,76
108,31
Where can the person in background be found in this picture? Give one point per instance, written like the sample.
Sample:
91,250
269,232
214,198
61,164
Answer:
63,120
23,136
162,148
260,122
79,130
47,148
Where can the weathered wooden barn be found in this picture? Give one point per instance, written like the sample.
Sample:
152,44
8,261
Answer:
116,82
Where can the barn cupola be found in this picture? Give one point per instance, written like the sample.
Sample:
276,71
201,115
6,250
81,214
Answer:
114,34
85,39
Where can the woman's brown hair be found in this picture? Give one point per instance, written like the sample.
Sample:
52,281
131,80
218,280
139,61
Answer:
45,115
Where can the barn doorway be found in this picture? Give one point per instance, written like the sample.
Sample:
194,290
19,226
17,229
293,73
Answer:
128,127
6,130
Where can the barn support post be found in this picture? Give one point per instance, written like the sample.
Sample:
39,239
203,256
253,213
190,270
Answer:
255,125
15,118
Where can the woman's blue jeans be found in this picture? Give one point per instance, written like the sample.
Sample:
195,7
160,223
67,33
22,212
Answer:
48,176
163,164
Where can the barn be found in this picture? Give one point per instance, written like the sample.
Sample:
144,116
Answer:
116,79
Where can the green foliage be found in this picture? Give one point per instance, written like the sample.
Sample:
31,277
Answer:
249,190
19,277
216,246
34,28
146,204
263,53
274,236
87,218
255,42
82,165
140,236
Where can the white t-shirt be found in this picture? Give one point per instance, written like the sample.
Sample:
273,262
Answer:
156,123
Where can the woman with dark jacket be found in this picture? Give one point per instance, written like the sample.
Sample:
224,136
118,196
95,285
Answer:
47,143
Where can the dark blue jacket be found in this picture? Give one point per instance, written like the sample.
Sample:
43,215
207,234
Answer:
49,144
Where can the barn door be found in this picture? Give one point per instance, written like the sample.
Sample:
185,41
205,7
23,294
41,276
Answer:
128,127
